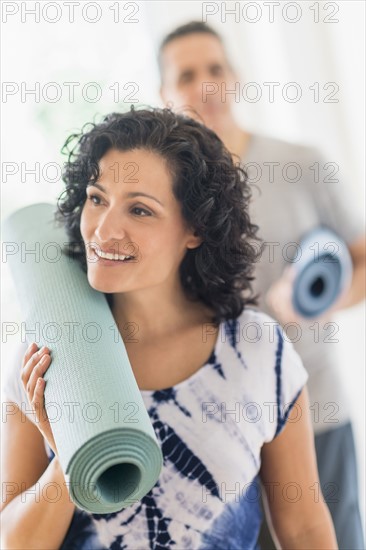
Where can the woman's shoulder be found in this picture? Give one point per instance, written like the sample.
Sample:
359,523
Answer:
254,330
264,346
251,314
274,369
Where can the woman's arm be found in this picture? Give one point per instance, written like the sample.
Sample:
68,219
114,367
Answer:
289,473
36,509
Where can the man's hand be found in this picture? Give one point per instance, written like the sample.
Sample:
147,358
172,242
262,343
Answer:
279,299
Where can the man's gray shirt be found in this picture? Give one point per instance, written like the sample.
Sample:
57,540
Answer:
295,190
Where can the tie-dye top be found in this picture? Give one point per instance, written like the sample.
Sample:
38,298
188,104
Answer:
211,428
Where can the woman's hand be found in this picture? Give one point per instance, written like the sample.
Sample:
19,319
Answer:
34,365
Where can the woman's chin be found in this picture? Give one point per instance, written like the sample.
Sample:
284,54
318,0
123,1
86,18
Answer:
101,285
107,287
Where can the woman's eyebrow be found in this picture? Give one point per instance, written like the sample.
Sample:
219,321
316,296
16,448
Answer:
139,193
131,194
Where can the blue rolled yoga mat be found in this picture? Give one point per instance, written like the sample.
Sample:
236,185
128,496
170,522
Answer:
106,442
323,271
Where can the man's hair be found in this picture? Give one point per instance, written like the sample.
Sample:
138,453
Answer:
192,27
213,193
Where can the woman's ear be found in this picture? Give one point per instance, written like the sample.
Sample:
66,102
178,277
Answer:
194,241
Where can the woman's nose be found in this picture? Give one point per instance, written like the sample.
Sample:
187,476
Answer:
110,227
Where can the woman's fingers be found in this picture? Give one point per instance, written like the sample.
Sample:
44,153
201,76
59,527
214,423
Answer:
37,372
38,403
28,354
35,363
33,368
41,414
31,358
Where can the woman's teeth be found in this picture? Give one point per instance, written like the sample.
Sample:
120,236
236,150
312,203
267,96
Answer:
109,256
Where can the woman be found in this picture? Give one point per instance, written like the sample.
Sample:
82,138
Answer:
224,389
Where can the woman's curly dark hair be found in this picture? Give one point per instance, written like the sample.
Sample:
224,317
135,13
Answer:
213,192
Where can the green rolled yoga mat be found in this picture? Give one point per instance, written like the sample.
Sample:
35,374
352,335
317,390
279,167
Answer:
105,440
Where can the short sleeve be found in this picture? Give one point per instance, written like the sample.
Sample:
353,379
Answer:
288,380
12,389
336,203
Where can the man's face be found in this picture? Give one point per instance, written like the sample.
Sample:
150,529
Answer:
195,73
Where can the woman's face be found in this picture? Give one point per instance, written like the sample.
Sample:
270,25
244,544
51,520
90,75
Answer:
121,219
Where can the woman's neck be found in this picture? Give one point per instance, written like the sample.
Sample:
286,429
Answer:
156,318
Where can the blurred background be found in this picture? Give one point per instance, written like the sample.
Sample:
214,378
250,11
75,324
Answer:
62,69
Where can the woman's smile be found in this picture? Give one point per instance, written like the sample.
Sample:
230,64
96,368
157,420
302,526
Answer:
118,259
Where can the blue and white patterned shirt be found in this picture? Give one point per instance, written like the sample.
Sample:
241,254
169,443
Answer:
211,428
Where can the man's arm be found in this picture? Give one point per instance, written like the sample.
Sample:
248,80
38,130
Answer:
357,290
298,514
279,295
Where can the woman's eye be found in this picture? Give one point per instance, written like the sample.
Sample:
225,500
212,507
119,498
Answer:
91,197
146,212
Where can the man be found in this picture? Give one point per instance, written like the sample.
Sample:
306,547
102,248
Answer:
195,78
